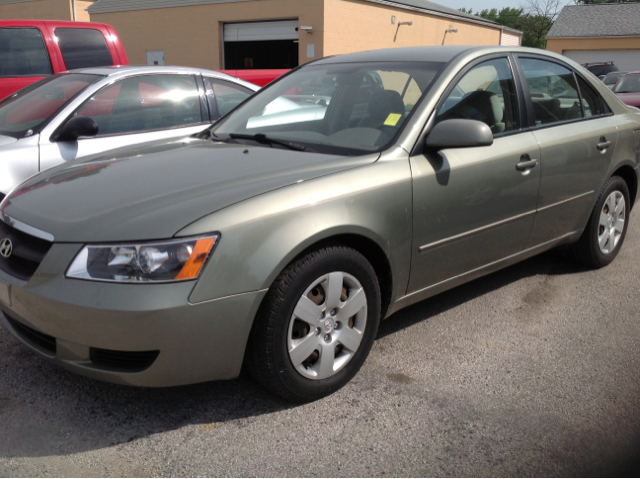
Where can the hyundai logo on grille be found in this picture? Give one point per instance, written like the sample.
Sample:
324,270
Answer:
6,247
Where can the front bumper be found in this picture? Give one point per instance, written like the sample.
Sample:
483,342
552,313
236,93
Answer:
195,342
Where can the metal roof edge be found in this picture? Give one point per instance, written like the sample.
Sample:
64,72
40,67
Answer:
106,6
582,37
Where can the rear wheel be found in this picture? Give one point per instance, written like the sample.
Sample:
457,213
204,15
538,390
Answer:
603,237
316,325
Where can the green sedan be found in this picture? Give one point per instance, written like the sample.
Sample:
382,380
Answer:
280,237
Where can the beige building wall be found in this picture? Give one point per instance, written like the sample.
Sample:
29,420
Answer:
192,35
37,10
559,45
81,10
356,25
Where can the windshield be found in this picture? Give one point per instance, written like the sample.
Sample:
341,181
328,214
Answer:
31,107
628,84
349,109
612,78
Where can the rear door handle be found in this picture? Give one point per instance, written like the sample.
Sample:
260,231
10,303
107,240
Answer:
604,144
526,163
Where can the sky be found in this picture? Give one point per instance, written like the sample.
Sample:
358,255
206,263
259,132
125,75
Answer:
482,4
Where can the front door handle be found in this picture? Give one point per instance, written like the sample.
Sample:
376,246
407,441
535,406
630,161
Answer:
526,163
604,144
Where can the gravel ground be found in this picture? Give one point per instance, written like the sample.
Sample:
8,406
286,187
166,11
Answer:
531,371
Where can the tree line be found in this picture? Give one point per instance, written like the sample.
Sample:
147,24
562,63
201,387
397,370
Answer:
535,19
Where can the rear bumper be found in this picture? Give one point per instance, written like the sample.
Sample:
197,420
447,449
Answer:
73,322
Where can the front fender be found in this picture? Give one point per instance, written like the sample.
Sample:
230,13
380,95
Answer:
261,235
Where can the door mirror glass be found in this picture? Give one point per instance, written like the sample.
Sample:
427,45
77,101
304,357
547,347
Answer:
459,134
80,126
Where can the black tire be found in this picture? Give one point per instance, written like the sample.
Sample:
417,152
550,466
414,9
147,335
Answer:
587,250
267,356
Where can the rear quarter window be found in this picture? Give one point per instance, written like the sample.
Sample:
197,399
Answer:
23,53
83,48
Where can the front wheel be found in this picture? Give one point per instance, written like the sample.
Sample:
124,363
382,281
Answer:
316,325
602,238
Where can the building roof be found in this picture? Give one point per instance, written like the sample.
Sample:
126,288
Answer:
107,6
603,20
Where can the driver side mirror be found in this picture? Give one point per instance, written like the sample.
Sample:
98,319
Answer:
76,128
459,133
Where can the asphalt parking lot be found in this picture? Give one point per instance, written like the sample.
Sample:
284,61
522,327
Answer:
531,371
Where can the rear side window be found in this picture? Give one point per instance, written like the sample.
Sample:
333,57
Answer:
553,92
83,48
23,53
226,95
591,101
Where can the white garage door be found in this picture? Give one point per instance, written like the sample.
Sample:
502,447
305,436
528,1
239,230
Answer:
510,39
248,32
625,60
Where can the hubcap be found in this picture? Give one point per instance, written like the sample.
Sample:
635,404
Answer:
336,306
611,225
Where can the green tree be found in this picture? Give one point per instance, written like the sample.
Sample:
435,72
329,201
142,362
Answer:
534,20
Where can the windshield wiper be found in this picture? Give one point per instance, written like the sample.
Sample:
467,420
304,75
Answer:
262,138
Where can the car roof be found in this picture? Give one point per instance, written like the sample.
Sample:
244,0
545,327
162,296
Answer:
444,54
116,72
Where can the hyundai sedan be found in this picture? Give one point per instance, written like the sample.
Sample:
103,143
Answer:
278,240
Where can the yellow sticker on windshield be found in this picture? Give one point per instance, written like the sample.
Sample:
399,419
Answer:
393,119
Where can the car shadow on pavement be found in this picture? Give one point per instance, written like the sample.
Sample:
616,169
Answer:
556,262
45,410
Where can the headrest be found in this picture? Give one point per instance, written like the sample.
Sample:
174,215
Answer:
486,104
385,102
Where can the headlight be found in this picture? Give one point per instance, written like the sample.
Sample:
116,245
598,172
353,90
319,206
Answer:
165,262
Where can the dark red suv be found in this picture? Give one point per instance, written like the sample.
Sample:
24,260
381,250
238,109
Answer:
32,49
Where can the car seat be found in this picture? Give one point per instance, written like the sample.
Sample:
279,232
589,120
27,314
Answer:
484,106
381,105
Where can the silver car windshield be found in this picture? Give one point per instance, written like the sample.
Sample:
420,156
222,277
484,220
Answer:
31,108
337,108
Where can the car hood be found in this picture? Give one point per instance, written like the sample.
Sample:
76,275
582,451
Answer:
6,140
153,191
632,99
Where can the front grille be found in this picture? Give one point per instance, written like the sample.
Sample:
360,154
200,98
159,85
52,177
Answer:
122,361
27,254
35,338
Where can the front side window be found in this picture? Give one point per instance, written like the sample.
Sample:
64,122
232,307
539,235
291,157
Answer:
23,53
341,108
83,48
32,106
553,92
486,93
147,102
226,96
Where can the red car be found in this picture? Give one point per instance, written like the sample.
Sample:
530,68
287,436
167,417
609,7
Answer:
628,89
33,49
257,77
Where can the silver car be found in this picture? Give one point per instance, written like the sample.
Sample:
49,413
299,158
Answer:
279,237
83,112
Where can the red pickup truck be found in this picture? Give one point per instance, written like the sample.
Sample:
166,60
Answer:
33,49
